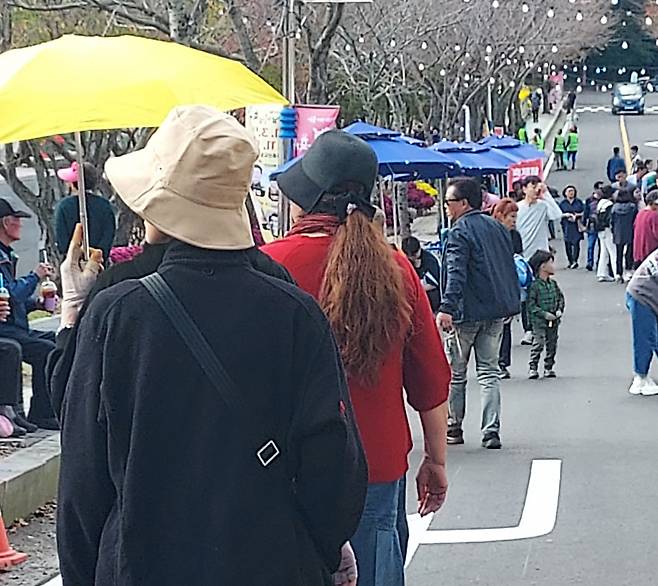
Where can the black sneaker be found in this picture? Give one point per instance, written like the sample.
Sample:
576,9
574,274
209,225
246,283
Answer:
590,268
491,441
455,436
505,373
550,373
533,374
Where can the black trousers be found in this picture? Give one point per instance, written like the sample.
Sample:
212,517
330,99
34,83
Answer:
11,379
35,347
573,251
505,354
624,258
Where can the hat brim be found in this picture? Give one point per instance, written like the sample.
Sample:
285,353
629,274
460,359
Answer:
20,214
68,175
296,185
135,179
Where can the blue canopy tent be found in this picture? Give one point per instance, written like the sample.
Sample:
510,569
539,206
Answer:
473,161
511,146
366,131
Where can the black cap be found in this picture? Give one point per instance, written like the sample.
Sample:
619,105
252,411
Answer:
336,157
7,210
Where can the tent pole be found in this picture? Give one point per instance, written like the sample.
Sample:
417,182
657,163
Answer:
82,195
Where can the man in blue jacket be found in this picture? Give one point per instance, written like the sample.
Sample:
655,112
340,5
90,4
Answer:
35,346
481,289
615,164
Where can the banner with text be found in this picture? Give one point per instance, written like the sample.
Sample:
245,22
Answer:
263,123
524,169
312,121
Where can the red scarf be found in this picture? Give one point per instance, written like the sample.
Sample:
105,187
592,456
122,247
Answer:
315,224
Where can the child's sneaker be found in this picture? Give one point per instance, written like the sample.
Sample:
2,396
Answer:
550,373
527,339
533,374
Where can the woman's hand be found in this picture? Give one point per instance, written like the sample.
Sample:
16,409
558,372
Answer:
5,310
432,486
347,573
78,277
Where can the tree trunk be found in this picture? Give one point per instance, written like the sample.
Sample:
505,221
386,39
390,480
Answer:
318,70
5,26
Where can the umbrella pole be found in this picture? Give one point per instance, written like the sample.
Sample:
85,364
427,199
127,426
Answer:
382,202
82,195
394,196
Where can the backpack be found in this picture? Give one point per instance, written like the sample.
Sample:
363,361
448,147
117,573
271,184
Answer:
603,218
523,272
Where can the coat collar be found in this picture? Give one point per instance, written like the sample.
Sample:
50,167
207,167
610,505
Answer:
180,253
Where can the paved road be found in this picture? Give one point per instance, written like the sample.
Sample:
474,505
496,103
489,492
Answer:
607,518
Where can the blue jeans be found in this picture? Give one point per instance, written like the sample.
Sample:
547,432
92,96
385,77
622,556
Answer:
592,257
645,334
483,338
380,541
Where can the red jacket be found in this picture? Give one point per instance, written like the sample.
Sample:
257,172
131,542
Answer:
419,364
646,234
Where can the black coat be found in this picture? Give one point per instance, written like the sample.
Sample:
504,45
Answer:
159,484
622,222
480,280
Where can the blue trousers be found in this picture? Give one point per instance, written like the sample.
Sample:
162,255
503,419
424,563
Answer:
380,541
645,334
592,256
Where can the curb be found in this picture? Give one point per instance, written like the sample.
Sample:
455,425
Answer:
28,478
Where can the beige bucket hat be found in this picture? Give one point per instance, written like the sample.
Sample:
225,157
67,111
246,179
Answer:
192,178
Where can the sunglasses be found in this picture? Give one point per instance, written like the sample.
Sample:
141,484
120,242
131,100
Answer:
452,200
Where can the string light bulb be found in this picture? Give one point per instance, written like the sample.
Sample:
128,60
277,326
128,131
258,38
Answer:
624,45
648,21
579,16
525,8
550,13
495,4
423,45
521,49
554,49
604,19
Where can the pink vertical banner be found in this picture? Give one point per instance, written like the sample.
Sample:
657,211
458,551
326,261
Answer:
312,121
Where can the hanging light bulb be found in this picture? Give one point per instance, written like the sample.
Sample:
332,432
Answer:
392,43
423,45
362,40
578,80
579,16
457,48
525,8
584,67
592,82
572,1
604,19
492,80
624,45
550,13
347,48
442,73
579,89
598,70
489,49
511,84
575,69
648,21
396,60
521,49
467,77
421,67
495,4
554,49
614,2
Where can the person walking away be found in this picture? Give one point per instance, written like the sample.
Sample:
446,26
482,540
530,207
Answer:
35,345
636,158
383,322
427,268
535,103
546,306
589,220
624,212
506,213
572,146
642,303
536,211
645,232
559,147
286,426
615,163
607,248
102,223
480,292
538,140
570,102
573,210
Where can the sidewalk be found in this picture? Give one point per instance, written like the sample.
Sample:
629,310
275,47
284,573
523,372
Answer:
547,124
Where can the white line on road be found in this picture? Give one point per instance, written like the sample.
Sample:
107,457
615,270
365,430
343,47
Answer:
54,582
537,519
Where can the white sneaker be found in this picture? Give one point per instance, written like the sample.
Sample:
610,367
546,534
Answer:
606,279
527,339
643,385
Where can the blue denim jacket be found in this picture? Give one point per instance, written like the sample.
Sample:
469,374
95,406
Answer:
20,289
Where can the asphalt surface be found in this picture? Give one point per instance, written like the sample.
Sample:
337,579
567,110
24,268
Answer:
605,438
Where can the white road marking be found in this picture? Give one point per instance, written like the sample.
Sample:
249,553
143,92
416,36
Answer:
652,144
608,109
54,582
537,519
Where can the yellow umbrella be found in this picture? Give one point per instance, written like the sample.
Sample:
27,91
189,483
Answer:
80,83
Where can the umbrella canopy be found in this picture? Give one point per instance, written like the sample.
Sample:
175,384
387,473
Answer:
511,146
365,130
473,163
397,157
80,83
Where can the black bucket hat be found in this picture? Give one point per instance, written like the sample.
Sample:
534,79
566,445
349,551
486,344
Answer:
336,157
6,210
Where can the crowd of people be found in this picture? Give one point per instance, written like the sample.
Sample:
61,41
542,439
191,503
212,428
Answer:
346,331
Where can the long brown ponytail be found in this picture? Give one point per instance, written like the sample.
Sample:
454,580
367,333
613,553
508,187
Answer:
364,296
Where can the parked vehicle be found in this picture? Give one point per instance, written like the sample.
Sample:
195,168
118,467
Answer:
627,97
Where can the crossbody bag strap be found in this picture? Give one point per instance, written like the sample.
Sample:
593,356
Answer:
204,355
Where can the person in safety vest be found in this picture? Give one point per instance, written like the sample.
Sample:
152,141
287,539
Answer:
572,146
522,134
559,147
538,139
